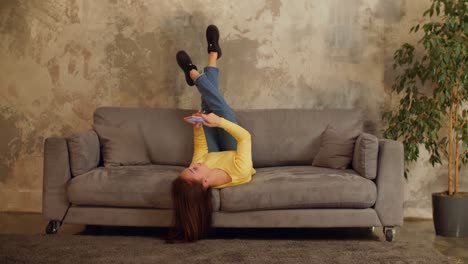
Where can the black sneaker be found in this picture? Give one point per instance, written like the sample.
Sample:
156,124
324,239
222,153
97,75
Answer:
212,37
185,63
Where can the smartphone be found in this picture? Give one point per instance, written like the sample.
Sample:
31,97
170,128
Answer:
196,119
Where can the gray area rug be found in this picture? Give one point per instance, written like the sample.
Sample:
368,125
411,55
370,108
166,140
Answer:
119,247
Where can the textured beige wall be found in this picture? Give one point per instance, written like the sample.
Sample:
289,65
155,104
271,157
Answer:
59,60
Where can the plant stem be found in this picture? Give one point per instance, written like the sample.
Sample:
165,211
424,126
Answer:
457,103
450,154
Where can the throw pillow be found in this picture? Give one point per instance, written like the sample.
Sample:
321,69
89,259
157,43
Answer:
365,156
84,151
336,148
122,145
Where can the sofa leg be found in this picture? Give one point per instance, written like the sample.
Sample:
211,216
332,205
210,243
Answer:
53,227
389,232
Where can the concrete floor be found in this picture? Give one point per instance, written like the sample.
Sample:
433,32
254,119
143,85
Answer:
413,230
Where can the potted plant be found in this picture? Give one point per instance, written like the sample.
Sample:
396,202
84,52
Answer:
432,83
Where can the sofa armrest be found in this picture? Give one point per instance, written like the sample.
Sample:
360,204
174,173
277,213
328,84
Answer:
389,181
56,176
84,150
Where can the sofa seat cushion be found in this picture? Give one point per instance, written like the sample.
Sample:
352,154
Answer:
292,187
127,186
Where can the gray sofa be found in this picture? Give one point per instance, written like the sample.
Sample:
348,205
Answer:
286,191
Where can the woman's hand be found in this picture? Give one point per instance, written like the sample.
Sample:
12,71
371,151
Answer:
199,113
196,124
211,119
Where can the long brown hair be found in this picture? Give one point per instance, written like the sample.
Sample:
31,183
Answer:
192,207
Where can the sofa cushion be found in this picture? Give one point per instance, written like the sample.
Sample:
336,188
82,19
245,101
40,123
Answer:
336,148
300,187
84,151
122,145
365,155
127,186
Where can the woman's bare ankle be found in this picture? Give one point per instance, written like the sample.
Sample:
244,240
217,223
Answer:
212,58
194,74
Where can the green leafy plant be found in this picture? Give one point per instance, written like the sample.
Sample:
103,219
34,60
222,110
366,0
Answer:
433,84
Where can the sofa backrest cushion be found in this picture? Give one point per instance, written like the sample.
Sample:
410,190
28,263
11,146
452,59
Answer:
365,156
83,148
279,136
336,148
122,144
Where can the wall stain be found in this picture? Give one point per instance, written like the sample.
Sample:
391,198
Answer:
240,60
123,22
345,42
76,52
391,11
86,56
4,4
72,66
10,141
14,24
240,31
72,11
54,71
83,107
12,91
274,6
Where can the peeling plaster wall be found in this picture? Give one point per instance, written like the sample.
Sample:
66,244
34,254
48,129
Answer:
59,60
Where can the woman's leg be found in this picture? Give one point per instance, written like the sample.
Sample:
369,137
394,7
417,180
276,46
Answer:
218,105
207,85
211,133
212,71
